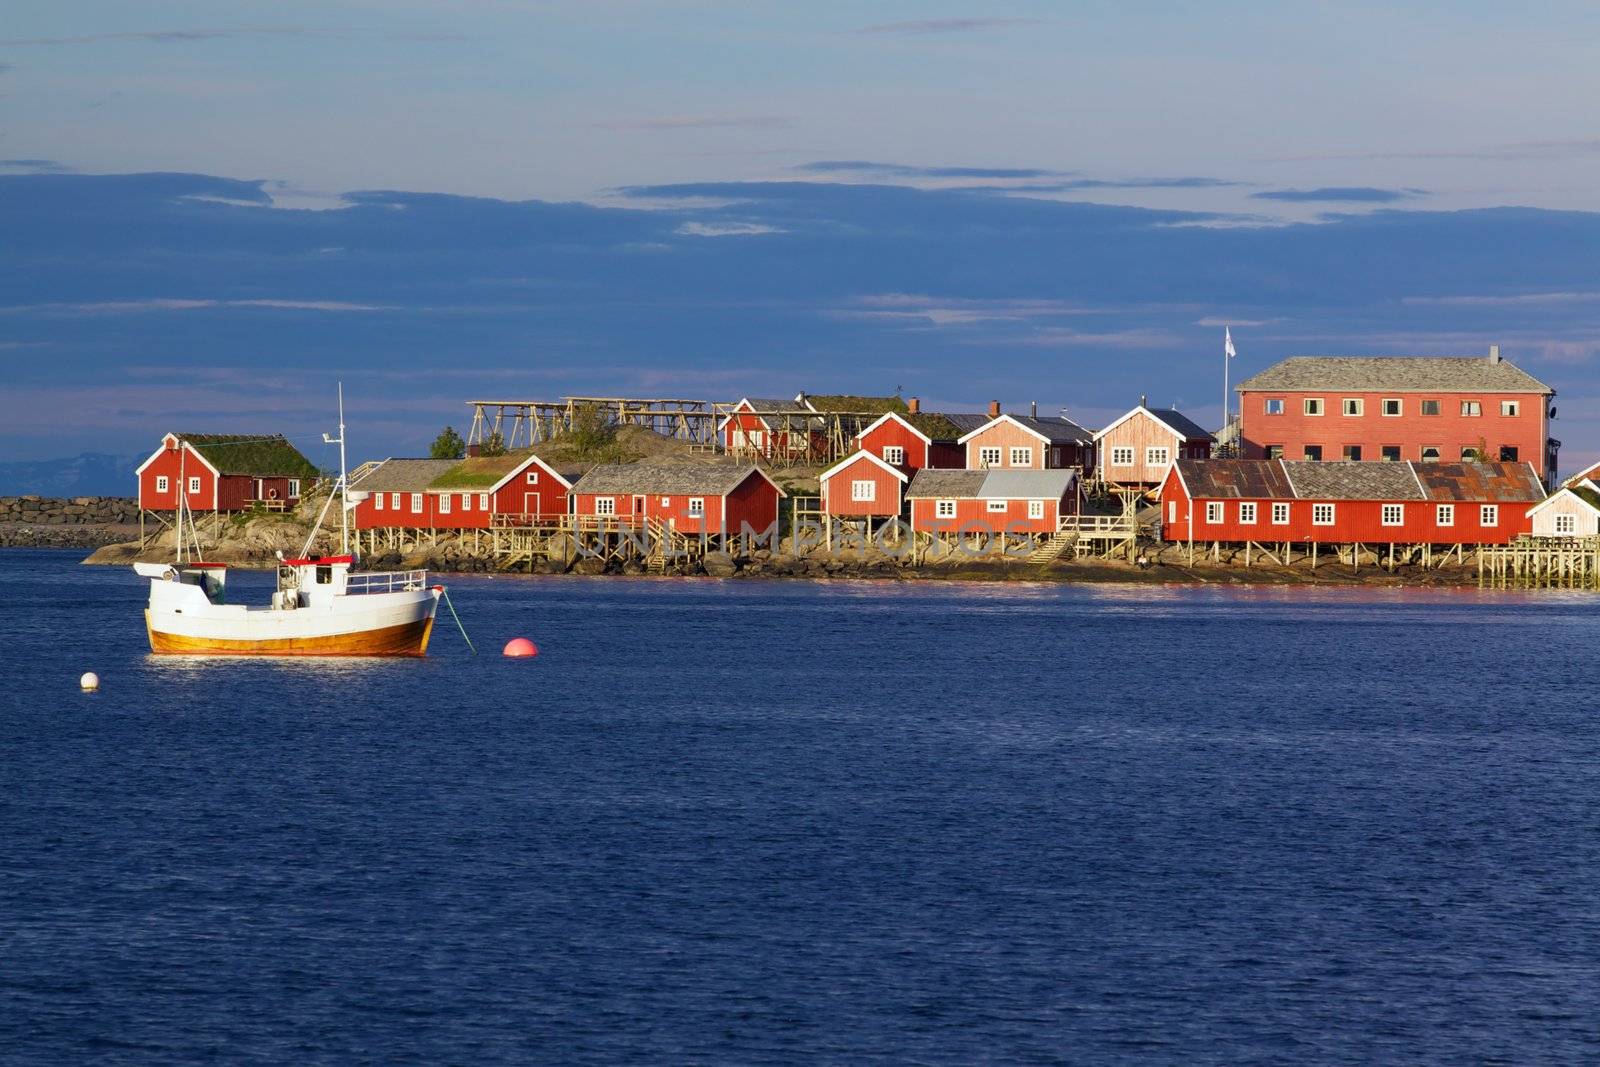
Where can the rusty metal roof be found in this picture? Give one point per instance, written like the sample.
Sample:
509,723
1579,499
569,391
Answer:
1235,479
1489,482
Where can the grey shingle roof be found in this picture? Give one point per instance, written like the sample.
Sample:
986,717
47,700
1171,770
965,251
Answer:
402,475
1352,480
1395,374
709,479
932,482
1181,422
966,422
1056,430
1026,485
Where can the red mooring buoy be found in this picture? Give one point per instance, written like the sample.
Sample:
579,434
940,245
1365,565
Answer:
521,646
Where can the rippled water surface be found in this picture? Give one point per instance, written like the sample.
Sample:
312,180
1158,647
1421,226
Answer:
744,823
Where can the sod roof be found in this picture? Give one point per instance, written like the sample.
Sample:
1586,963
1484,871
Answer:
255,455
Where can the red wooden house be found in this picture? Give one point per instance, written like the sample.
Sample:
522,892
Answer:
863,486
1397,408
716,499
992,501
914,439
223,472
520,488
1028,442
1241,500
764,426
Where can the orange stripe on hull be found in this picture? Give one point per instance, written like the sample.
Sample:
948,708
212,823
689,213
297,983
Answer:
407,639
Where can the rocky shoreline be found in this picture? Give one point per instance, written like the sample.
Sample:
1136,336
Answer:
75,522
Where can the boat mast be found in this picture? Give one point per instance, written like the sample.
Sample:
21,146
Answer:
344,481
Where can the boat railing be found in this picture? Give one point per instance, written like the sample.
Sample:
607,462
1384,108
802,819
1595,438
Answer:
364,582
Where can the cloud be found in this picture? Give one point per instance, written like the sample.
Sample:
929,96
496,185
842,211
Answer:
1352,194
124,307
701,122
35,166
922,27
182,36
1512,150
1216,321
724,229
902,170
1504,301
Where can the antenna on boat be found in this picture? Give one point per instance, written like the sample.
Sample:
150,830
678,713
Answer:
344,480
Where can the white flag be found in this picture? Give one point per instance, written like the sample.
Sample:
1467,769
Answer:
1227,343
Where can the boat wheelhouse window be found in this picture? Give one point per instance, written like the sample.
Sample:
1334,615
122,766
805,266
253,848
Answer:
324,575
1280,514
1489,515
162,484
294,486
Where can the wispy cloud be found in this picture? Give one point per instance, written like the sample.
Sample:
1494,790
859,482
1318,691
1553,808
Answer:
125,307
922,27
35,166
182,36
904,170
725,229
1504,301
919,310
1348,194
1214,320
1062,337
701,122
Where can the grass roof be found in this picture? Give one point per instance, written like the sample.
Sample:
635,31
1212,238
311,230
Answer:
256,455
877,405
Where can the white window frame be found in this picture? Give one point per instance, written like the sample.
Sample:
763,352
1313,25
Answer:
394,501
697,507
1566,524
1399,407
1488,514
1438,454
1353,406
605,506
163,483
997,506
1324,514
1021,456
377,501
1214,512
532,478
1510,408
1445,515
1036,509
416,503
1172,511
194,485
1311,402
294,488
483,501
1157,456
1471,409
1122,456
1394,515
990,456
466,501
1274,406
863,490
666,501
444,503
1422,407
944,509
1280,513
1247,512
894,455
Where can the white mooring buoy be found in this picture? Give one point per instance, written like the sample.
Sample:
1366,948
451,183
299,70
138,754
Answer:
90,682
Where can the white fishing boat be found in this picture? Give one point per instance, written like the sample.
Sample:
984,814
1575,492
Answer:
320,608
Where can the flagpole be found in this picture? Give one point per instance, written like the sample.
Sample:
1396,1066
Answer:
1225,386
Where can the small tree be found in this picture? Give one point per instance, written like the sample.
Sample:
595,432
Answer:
493,445
448,445
591,434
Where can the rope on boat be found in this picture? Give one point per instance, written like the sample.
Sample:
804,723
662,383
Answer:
445,592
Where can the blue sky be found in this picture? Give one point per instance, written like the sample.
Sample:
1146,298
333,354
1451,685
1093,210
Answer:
1046,202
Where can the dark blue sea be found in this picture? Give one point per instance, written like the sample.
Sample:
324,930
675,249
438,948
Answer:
748,822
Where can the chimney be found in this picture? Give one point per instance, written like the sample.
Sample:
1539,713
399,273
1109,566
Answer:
994,409
913,405
1494,353
1033,409
473,450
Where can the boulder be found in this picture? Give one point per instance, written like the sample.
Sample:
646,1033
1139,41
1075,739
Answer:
720,565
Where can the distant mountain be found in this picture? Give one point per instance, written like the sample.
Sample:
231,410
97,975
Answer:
88,474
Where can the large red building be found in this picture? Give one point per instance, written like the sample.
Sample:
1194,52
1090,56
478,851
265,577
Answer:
1030,502
690,498
518,488
223,472
1397,408
1266,501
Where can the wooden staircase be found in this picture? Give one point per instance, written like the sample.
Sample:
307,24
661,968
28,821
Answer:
1051,550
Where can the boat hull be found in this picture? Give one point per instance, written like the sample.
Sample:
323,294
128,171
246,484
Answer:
403,639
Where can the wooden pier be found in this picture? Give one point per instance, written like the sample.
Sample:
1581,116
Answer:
1541,563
